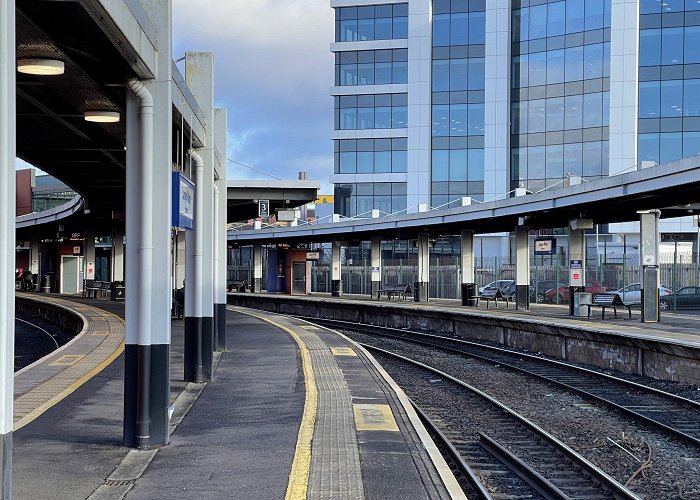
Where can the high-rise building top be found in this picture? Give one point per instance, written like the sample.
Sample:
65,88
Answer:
435,100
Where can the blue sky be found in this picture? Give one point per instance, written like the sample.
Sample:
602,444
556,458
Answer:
273,71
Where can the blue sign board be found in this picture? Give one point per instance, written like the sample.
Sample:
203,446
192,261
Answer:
183,202
546,246
575,264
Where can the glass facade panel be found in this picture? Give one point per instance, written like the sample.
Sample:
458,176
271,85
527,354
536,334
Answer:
360,199
669,95
458,81
372,22
371,67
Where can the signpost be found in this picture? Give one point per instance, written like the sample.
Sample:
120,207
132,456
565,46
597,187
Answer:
264,209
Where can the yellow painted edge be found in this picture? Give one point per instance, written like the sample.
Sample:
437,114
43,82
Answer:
39,410
301,465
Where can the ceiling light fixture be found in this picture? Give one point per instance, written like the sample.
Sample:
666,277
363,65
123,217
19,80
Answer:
46,67
102,116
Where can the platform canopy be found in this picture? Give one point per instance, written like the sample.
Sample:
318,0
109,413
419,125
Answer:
244,196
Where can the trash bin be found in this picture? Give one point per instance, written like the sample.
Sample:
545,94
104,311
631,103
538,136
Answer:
117,290
46,284
469,291
581,299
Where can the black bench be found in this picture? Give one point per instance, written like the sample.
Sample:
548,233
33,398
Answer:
493,296
238,286
396,290
613,300
91,287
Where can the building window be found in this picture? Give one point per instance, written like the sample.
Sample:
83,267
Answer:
371,156
371,111
371,67
353,200
371,22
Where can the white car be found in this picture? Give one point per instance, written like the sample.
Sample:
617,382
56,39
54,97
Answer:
632,294
502,284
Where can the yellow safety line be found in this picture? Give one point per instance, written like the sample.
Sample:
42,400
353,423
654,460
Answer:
36,412
301,465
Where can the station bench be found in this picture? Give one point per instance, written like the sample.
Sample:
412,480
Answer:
493,297
396,290
613,300
237,286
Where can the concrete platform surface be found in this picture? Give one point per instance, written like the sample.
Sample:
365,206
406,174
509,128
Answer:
293,411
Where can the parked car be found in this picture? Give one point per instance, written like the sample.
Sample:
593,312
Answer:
687,297
539,288
502,284
561,295
632,293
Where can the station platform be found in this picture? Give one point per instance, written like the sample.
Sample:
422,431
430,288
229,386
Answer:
293,411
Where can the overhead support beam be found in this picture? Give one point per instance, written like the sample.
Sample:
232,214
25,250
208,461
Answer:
8,143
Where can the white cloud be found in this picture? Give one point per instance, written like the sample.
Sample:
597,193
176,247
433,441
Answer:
273,71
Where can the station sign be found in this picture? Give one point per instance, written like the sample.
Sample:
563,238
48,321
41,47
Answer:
546,246
264,208
313,255
183,202
576,272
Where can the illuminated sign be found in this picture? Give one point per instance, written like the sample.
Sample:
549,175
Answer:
183,202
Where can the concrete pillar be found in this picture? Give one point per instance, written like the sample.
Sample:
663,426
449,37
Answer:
522,267
467,255
649,252
148,230
179,259
336,276
421,286
8,145
118,254
376,266
577,265
199,75
220,140
89,271
257,267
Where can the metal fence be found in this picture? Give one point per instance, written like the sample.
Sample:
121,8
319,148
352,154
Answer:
679,274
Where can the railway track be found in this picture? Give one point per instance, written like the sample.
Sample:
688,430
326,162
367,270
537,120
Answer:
510,456
671,414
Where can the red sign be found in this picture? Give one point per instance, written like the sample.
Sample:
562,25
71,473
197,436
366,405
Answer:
577,276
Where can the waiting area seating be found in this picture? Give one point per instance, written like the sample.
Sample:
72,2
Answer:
613,300
396,290
103,290
493,295
237,286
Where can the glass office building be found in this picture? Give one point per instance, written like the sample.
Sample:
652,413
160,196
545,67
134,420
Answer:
436,100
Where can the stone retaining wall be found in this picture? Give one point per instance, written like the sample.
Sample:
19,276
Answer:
629,354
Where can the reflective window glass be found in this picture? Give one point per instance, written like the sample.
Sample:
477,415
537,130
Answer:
595,10
440,164
691,97
441,116
538,22
536,162
593,61
536,117
458,74
649,99
441,30
573,64
671,147
458,165
475,119
671,98
555,66
593,110
382,117
383,28
573,159
538,69
692,41
399,161
348,163
476,165
441,75
382,161
648,147
691,144
459,31
556,19
475,74
672,46
573,117
400,27
477,27
592,159
650,47
575,17
554,158
555,113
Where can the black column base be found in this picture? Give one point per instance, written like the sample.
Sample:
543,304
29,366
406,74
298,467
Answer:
6,465
522,296
257,285
469,291
193,349
420,292
376,286
157,424
336,288
220,318
207,348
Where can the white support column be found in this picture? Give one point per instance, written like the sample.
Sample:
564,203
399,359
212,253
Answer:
624,67
220,140
469,289
199,75
8,145
577,265
257,268
376,266
649,252
336,270
522,267
421,292
118,254
497,99
89,271
148,227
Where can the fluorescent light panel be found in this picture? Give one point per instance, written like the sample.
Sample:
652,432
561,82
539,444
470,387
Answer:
102,116
44,67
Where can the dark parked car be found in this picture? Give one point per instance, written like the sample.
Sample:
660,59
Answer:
687,297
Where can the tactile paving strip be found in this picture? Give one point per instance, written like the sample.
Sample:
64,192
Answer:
335,458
